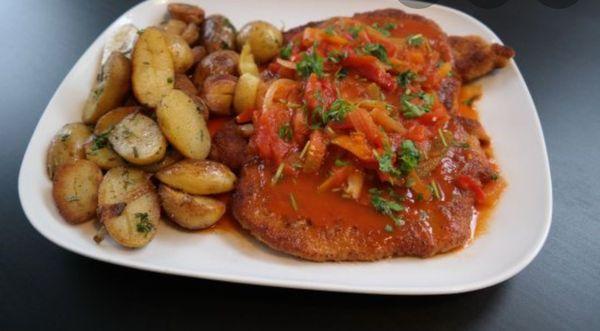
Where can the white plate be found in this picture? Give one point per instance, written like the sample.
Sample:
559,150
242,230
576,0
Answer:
514,236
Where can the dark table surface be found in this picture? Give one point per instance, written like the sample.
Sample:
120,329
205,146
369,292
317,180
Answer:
44,286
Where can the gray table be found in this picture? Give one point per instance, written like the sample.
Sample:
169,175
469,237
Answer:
43,286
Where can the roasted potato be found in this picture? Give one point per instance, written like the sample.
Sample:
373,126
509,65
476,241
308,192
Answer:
186,13
245,93
183,83
183,125
171,157
191,33
67,146
99,151
199,52
138,139
110,119
264,39
198,177
247,64
180,52
218,91
128,206
218,33
153,67
111,88
75,190
219,62
174,26
192,212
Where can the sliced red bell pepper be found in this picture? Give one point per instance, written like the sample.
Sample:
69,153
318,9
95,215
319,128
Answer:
371,68
469,183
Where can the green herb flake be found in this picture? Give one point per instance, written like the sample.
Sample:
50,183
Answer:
415,40
285,132
385,29
435,189
412,110
341,163
386,164
336,56
341,74
100,141
170,80
329,30
406,77
409,156
310,63
354,31
64,137
377,50
143,225
286,52
386,206
338,111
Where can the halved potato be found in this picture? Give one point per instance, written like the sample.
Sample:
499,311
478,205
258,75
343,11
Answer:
171,157
247,64
110,119
111,89
138,139
183,125
190,211
198,177
218,91
99,151
67,146
129,207
75,190
186,13
182,55
219,62
153,67
183,83
245,93
264,37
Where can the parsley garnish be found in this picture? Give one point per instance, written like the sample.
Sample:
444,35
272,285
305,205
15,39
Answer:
341,74
170,80
385,206
338,111
406,77
143,225
341,163
409,157
310,63
354,31
412,110
415,40
336,56
285,132
377,50
100,141
286,52
386,164
385,29
329,30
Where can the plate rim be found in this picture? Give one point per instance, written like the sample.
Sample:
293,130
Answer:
508,273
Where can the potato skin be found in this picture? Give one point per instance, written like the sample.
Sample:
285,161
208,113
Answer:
180,52
186,13
129,206
110,119
219,62
138,139
112,89
218,91
245,93
183,125
198,177
199,53
183,83
153,67
264,39
192,212
174,26
67,146
218,33
247,64
191,34
75,190
101,153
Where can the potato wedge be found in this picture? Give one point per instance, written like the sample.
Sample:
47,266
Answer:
192,212
138,139
182,55
111,89
153,68
110,119
99,151
183,125
198,177
172,156
129,207
245,93
75,190
67,146
247,64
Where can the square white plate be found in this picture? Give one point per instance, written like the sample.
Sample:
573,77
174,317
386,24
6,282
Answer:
514,236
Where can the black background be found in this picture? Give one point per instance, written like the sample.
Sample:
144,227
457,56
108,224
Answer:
45,287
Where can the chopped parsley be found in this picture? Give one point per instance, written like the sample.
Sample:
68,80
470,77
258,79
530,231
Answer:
65,137
409,156
406,77
415,40
100,141
341,74
377,50
341,163
386,206
310,63
338,111
385,29
143,225
329,30
386,164
285,132
354,31
336,56
170,80
411,110
286,52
